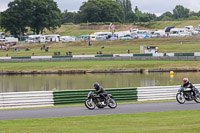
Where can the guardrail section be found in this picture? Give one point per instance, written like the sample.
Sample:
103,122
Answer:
71,97
157,93
26,99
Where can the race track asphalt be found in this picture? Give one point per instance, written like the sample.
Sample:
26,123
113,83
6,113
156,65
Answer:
82,111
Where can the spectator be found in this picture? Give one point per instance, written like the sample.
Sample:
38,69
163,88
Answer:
90,43
27,49
70,53
47,49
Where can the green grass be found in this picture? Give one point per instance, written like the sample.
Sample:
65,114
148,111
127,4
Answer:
98,65
163,24
166,45
161,122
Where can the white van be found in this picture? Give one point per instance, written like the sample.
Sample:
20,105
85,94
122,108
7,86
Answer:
92,38
189,28
67,39
52,38
159,33
179,32
102,35
122,33
36,39
11,40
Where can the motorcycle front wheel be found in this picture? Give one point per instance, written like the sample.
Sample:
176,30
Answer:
89,104
180,98
112,103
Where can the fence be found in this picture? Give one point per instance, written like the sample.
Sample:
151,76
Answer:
70,97
177,56
157,93
43,98
26,99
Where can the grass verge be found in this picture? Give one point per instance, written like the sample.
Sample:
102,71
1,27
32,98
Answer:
99,65
166,45
159,122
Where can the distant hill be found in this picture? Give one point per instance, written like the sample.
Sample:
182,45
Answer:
77,30
163,24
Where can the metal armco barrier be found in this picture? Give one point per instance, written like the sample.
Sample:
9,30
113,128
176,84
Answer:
196,54
154,56
26,99
50,98
70,97
159,92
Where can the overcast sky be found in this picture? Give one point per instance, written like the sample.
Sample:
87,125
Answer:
152,6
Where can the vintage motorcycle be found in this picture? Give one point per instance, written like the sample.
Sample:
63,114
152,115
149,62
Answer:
93,100
186,94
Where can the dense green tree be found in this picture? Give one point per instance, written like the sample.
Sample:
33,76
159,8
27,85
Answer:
45,14
167,16
36,14
16,17
0,18
101,11
197,14
78,18
127,8
143,17
68,17
181,12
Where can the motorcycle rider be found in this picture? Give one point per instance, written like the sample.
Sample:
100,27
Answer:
100,91
187,84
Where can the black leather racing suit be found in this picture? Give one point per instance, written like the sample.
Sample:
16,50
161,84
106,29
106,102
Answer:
102,93
189,85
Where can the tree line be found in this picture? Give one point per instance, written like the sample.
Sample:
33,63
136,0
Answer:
39,15
124,10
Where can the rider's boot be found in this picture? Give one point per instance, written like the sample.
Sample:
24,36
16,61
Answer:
197,94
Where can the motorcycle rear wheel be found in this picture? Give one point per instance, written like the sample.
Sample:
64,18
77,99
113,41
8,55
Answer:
197,99
89,104
180,98
112,103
